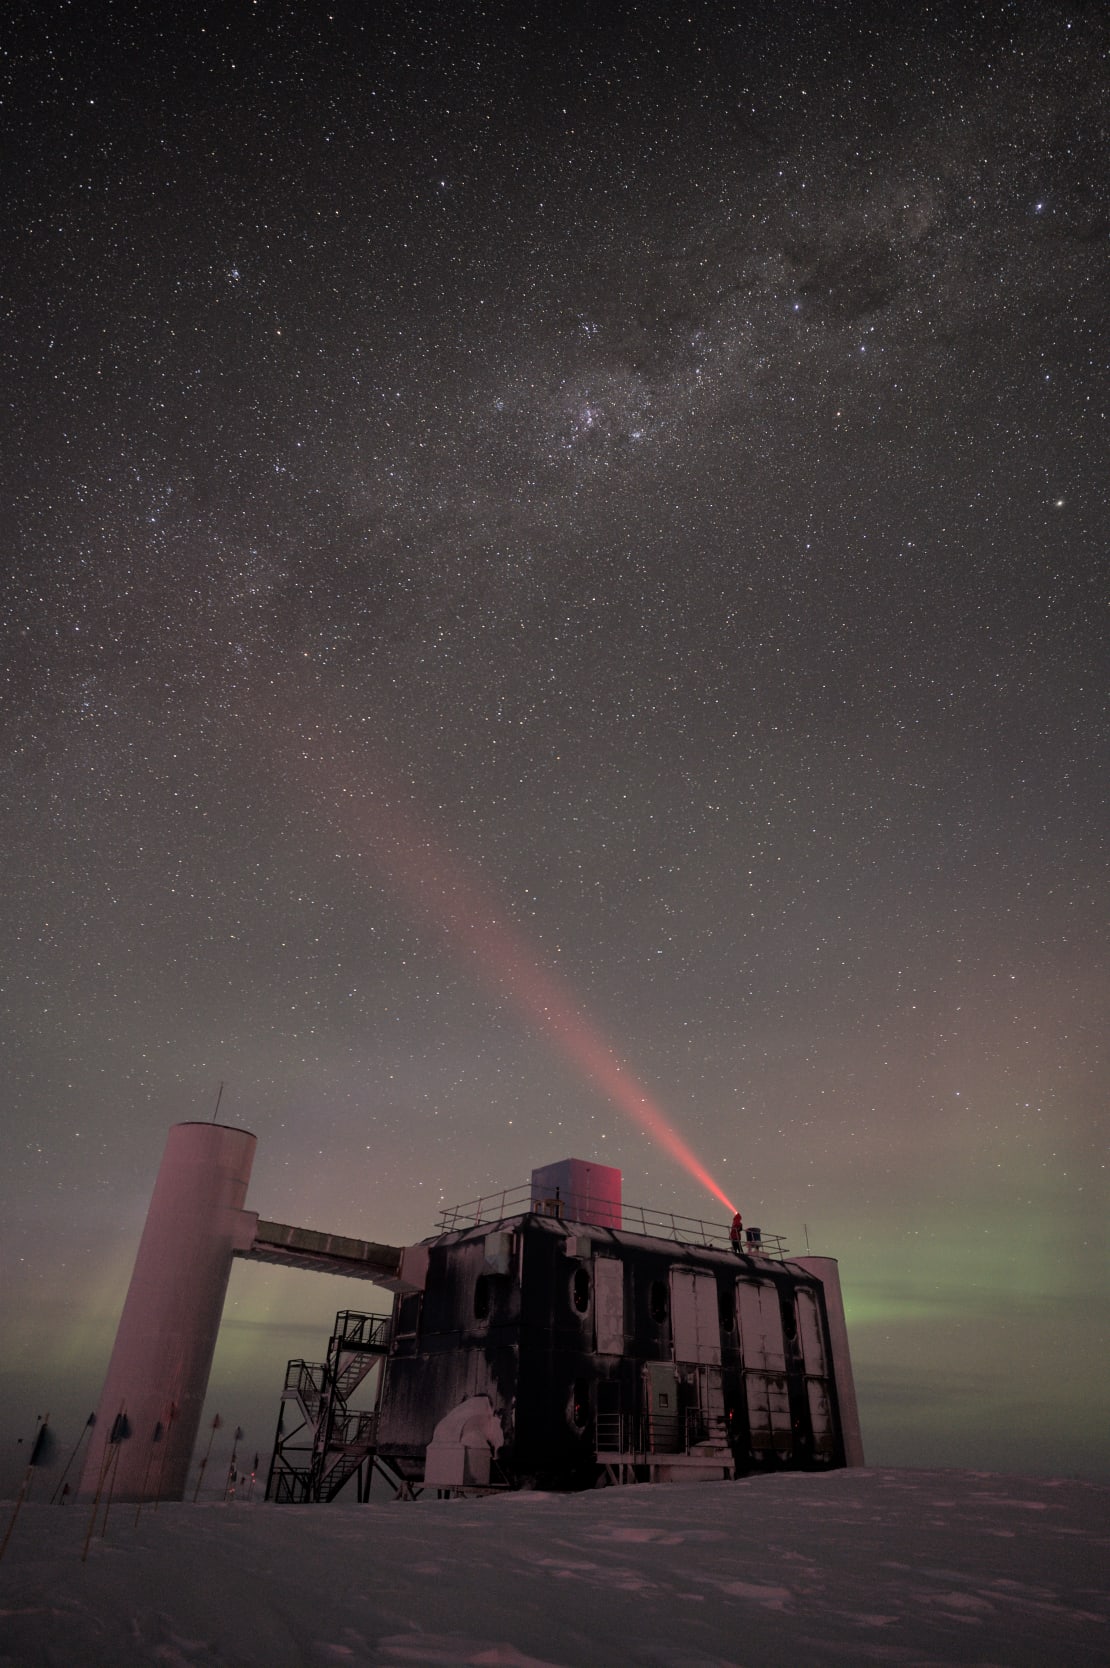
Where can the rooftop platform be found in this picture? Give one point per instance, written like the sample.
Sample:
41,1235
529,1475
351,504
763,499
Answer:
652,1222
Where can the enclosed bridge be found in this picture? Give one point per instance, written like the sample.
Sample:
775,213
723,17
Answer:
547,1336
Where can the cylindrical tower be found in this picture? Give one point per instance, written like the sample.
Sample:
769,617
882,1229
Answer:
158,1374
826,1270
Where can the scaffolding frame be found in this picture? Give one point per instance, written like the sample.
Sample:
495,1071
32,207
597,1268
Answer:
321,1441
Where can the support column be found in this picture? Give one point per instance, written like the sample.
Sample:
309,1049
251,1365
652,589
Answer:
158,1373
827,1271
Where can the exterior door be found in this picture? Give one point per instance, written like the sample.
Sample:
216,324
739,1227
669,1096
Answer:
661,1410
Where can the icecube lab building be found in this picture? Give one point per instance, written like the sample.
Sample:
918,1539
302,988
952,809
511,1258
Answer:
550,1336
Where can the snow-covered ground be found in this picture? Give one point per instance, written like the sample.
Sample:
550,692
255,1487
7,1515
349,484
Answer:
904,1568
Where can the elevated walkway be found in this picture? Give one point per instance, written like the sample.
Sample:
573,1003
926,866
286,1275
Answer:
362,1259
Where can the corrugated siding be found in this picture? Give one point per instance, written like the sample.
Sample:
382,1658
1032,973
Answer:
609,1305
757,1308
820,1418
695,1322
769,1414
810,1332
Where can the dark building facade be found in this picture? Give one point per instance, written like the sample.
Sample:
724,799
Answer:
536,1340
594,1352
539,1341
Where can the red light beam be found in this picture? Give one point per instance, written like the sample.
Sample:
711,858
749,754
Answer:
436,886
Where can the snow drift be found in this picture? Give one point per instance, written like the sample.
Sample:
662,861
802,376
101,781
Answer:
910,1568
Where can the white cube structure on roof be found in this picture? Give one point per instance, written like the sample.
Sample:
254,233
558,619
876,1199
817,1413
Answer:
578,1191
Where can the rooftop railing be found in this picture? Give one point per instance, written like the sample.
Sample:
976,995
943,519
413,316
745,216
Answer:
597,1212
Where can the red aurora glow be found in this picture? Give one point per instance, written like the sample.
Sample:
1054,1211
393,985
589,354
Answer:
434,883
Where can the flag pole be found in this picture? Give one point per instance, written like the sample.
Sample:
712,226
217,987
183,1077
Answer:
229,1486
157,1436
120,1434
170,1417
216,1423
38,1452
108,1456
89,1423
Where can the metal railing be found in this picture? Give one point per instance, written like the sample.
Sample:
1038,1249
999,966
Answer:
354,1429
308,1380
491,1207
658,1433
357,1344
357,1331
653,1223
291,1486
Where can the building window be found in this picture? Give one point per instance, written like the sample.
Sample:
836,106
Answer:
580,1290
482,1297
657,1302
408,1316
789,1316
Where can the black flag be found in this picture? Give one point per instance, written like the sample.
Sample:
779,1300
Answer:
43,1451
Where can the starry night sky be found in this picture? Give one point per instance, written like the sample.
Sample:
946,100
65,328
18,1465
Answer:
594,498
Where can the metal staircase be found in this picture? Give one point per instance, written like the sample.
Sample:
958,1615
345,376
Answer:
321,1441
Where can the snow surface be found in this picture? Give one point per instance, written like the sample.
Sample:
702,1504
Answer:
904,1568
